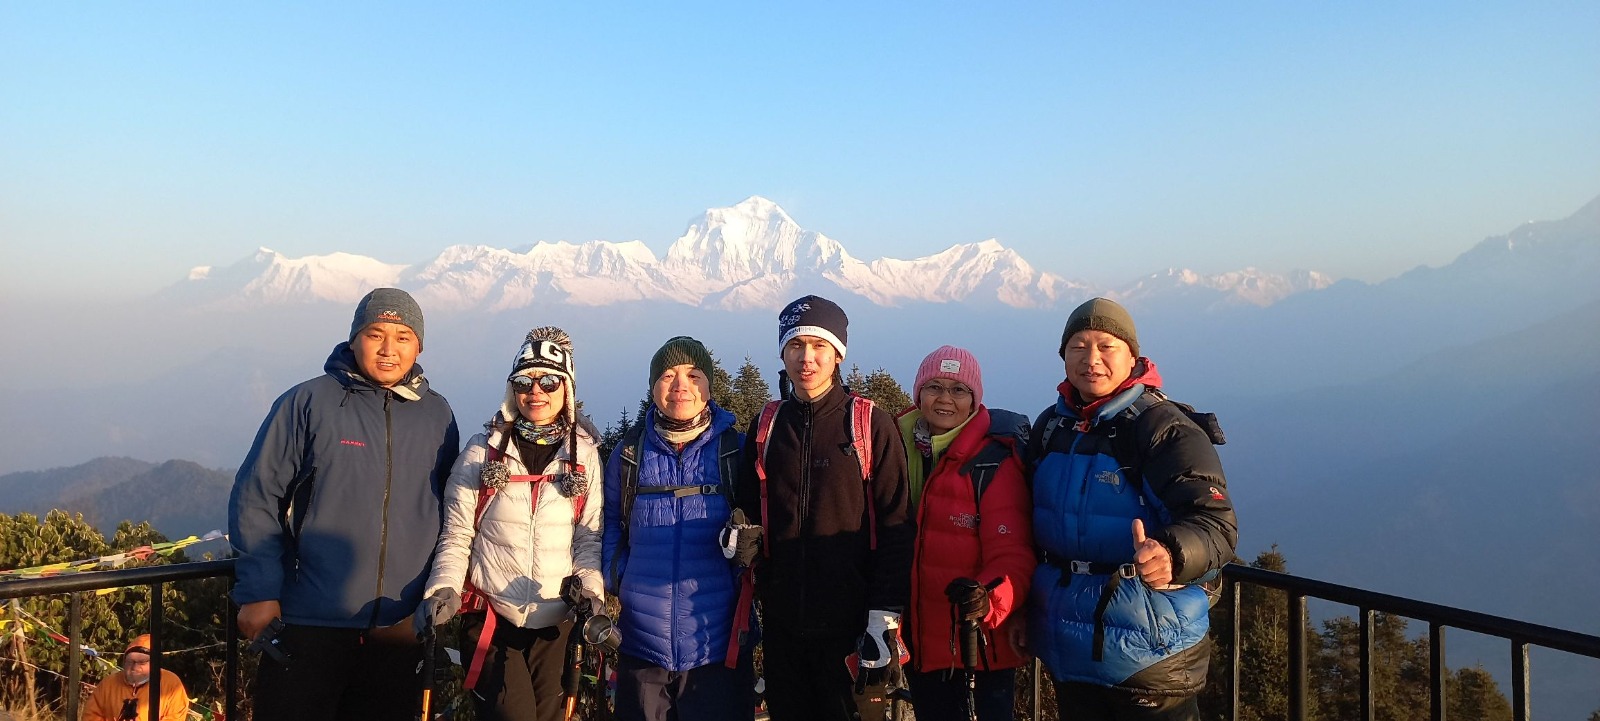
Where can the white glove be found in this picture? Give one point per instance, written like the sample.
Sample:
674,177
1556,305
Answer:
883,629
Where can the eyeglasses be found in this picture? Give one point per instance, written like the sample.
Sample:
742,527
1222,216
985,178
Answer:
956,393
523,385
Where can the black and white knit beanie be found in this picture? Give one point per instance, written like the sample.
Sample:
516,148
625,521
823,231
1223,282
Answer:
548,349
813,315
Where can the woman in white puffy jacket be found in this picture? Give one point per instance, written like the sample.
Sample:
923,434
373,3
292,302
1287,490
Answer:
522,514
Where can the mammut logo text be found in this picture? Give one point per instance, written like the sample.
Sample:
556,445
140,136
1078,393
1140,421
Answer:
348,442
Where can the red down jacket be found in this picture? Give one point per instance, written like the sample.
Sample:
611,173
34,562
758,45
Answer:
955,539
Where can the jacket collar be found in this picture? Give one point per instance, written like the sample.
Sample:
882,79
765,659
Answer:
341,364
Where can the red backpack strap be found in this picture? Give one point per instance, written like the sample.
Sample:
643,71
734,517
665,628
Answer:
861,440
769,416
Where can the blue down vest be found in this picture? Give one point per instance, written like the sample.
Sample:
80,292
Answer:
677,591
1084,506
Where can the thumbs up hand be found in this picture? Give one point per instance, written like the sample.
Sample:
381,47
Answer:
1150,558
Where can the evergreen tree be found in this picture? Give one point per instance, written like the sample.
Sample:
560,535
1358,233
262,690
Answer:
884,391
612,435
854,380
721,384
1472,695
1399,669
1264,654
109,619
749,394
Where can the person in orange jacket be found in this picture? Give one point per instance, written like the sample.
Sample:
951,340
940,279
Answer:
125,695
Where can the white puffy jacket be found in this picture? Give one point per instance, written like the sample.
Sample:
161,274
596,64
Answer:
520,552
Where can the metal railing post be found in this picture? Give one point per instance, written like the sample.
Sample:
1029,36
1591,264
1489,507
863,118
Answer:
1297,657
1437,673
1520,708
230,663
74,654
155,650
1234,590
1038,700
1368,708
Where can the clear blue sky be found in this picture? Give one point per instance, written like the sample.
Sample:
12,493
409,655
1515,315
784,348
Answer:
1101,140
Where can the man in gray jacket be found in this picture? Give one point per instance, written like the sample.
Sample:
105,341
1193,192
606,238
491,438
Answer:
334,515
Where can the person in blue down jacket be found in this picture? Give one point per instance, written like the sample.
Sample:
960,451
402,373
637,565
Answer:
334,514
675,556
1132,514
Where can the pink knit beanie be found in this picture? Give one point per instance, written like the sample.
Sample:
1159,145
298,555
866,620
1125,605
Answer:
955,364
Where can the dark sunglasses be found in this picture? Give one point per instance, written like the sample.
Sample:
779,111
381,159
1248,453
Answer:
524,384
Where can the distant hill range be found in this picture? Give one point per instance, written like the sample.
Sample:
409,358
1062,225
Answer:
178,498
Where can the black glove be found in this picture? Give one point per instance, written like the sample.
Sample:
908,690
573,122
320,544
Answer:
969,597
740,539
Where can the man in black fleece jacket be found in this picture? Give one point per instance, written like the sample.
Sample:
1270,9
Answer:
836,572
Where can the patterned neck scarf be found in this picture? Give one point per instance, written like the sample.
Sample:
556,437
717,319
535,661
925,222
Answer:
923,438
547,435
677,432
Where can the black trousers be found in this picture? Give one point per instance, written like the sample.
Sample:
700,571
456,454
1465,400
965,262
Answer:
1088,702
942,695
713,692
338,674
806,677
521,677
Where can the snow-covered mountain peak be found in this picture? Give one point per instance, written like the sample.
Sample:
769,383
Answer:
1249,285
751,254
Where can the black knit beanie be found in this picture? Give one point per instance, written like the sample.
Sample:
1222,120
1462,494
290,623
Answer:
678,351
813,315
1103,315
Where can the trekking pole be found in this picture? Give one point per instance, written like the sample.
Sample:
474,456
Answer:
572,670
430,641
971,639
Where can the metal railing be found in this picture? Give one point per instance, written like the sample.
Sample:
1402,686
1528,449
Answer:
152,576
1519,634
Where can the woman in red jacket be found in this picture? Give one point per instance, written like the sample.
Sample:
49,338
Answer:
974,547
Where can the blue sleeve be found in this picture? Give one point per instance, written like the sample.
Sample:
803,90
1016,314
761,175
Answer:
448,451
275,460
613,559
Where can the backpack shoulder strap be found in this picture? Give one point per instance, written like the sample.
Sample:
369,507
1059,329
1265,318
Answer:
860,420
983,466
1046,426
727,462
632,444
769,416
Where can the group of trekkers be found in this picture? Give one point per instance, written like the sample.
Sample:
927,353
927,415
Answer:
936,549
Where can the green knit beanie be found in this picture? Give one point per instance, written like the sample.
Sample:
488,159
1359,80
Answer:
678,351
1102,315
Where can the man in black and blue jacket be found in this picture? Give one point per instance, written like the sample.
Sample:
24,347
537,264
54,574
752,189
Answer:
334,516
1132,516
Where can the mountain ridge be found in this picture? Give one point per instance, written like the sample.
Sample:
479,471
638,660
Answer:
746,256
